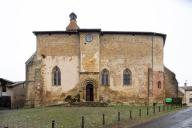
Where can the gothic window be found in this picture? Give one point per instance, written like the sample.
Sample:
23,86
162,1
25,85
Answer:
159,84
56,76
126,77
105,77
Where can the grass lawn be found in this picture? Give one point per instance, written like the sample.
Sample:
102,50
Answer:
70,117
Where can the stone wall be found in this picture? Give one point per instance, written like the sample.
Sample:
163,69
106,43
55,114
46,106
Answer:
82,62
89,53
137,53
61,50
30,80
18,95
171,84
69,75
57,45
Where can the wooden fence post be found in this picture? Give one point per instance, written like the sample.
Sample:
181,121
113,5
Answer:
147,111
130,114
139,112
53,123
82,123
118,116
103,119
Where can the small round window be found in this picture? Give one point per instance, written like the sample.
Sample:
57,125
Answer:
88,38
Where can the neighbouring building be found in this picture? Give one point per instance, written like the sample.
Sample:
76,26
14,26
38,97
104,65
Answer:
99,66
187,91
12,94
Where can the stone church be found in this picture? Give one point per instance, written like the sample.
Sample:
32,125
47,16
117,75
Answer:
99,66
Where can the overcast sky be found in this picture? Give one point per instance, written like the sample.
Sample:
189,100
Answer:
18,18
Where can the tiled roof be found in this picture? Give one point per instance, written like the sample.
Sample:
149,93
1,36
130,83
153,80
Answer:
2,79
30,59
187,88
16,83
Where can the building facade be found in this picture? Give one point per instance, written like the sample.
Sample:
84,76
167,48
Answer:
96,65
187,97
12,94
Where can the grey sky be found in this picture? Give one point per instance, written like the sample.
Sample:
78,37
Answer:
20,17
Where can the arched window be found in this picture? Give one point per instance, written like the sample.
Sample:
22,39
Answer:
105,77
126,77
159,84
56,76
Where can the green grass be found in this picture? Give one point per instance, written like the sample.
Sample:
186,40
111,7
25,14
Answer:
70,117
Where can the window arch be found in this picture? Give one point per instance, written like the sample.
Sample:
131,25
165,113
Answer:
105,77
126,77
159,84
56,75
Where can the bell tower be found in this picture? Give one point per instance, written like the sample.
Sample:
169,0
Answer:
73,27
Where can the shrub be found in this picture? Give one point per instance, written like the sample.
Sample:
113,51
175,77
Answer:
71,99
184,104
68,98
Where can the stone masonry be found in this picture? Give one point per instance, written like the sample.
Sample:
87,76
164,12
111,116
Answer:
82,54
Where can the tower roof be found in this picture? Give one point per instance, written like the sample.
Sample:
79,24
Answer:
73,23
